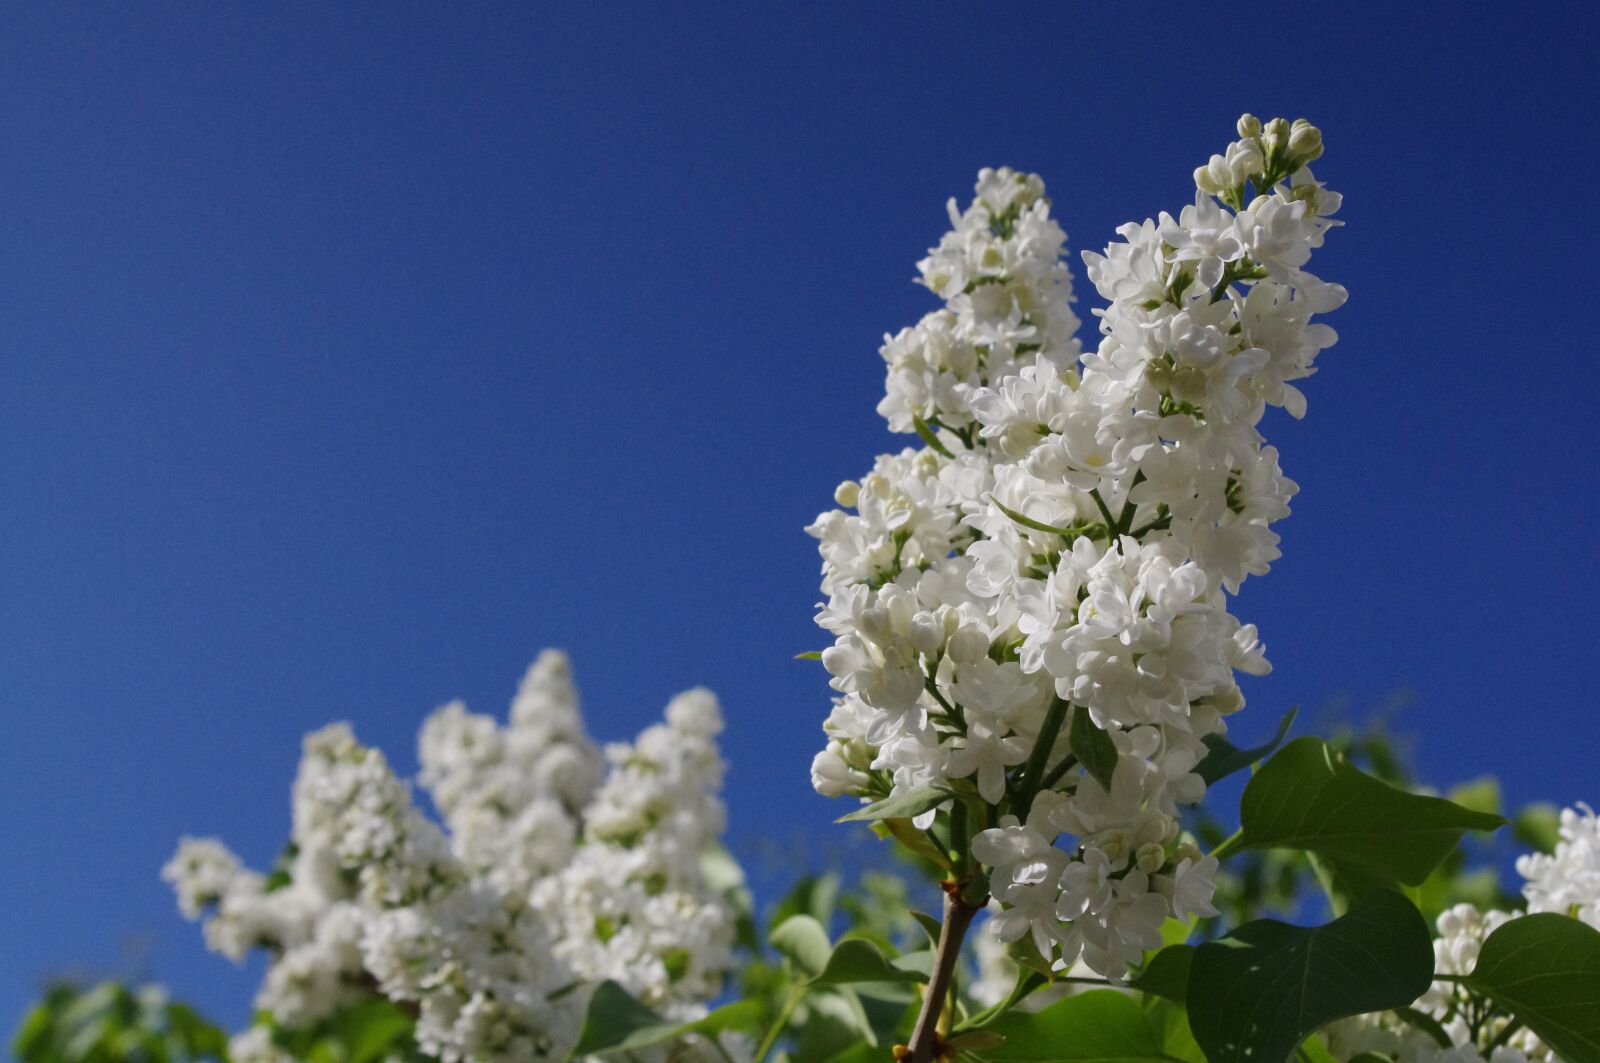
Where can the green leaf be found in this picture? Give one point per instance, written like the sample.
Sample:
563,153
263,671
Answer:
370,1027
928,436
1311,797
33,1037
1223,758
1025,954
1538,826
801,940
1092,746
929,925
613,1014
1171,1025
1167,973
906,833
809,655
1177,931
901,806
860,961
1545,970
1051,529
1313,1050
830,1022
616,1022
1259,992
813,895
1480,795
1100,1026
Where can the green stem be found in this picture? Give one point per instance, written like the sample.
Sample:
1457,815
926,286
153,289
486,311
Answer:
1033,773
1506,1033
783,1020
1027,983
1105,512
1229,845
952,711
1068,762
1129,507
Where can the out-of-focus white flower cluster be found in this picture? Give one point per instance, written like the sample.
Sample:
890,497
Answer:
1566,882
1065,540
556,868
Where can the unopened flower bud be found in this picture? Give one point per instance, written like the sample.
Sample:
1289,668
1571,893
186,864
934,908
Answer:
927,634
1186,850
968,645
831,776
1221,172
1205,182
1305,141
949,619
1274,136
1224,702
1149,858
1115,844
1244,161
875,624
847,494
1248,126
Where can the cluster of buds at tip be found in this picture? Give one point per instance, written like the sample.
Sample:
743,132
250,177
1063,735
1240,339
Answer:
1264,154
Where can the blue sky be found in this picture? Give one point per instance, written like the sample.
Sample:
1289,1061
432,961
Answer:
352,353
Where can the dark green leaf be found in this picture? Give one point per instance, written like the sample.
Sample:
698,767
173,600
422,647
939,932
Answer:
613,1014
1092,746
1545,970
616,1022
1100,1026
830,1022
1311,797
900,806
860,961
1223,758
1259,992
1167,973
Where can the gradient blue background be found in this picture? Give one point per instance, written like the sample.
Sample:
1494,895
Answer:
350,356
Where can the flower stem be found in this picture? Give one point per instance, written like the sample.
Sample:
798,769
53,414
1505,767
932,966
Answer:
958,914
776,1029
1229,844
1033,772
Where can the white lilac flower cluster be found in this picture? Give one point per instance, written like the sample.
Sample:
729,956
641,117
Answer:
552,871
1566,882
1065,540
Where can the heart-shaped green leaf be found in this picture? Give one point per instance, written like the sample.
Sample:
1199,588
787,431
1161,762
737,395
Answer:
1311,797
1257,993
1100,1026
1545,970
